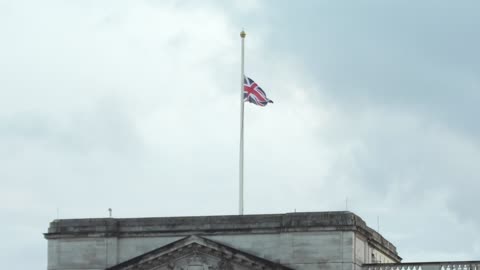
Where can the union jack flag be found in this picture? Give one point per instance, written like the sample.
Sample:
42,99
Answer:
253,93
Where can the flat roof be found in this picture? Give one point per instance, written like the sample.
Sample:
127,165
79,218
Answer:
226,224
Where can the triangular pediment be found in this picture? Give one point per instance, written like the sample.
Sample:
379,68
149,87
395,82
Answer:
197,253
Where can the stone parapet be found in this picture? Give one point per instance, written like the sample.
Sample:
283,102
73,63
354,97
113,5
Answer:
448,265
211,225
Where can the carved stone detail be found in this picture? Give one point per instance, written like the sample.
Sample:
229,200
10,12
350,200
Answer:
196,253
224,265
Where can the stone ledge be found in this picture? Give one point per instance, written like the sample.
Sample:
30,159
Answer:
234,224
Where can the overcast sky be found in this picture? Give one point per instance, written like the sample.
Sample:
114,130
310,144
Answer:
134,105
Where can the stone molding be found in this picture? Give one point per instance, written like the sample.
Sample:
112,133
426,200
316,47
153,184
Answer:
211,225
198,252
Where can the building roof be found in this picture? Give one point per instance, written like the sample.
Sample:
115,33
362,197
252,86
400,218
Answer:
228,224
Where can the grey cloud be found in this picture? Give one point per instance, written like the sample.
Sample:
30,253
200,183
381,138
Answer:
398,79
137,110
420,57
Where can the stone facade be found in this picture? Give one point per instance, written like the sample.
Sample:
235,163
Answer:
317,240
194,252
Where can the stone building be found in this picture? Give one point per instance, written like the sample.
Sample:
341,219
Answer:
304,241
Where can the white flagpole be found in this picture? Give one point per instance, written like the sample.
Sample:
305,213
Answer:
242,103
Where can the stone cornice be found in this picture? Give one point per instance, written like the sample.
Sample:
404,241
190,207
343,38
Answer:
210,225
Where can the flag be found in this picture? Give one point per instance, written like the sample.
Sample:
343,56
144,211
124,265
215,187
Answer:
253,93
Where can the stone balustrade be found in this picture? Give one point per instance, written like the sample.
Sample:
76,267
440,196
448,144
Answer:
458,265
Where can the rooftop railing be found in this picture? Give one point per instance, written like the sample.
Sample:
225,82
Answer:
459,265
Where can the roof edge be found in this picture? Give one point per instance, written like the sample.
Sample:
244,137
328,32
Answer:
225,224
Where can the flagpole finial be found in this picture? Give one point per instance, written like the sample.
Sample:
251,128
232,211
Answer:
243,34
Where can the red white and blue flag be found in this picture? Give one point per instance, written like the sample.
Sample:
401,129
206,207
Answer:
253,93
